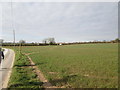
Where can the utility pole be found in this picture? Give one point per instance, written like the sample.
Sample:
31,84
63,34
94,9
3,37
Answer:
14,37
12,16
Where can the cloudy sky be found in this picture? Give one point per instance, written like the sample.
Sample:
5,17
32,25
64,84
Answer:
65,21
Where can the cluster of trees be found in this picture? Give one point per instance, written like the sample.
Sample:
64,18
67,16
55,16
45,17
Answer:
51,41
47,41
1,41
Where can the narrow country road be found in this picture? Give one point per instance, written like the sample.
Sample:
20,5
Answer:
6,67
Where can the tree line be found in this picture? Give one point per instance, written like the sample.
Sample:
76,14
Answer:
51,41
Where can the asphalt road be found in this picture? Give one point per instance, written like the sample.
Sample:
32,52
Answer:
6,67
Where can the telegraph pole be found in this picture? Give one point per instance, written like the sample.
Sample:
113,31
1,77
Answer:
14,37
12,16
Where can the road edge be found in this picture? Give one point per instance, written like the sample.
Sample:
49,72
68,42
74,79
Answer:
5,83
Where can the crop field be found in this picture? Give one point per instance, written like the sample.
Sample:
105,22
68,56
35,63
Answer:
77,66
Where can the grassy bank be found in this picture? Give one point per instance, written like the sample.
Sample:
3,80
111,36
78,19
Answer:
22,74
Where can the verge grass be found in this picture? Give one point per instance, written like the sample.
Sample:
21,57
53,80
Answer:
22,74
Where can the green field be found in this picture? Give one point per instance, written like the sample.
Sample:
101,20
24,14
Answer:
77,66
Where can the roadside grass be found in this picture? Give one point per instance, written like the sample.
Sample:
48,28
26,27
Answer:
22,75
78,66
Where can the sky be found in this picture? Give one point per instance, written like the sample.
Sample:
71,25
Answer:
65,21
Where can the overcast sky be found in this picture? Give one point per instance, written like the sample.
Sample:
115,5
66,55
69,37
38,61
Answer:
65,21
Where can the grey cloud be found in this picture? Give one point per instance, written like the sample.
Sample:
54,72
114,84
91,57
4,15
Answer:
64,21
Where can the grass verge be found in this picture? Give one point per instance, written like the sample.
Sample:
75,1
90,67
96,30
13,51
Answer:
23,75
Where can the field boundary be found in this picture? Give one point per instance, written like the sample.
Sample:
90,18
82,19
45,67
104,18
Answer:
46,83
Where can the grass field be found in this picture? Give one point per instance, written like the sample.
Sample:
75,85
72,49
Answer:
77,66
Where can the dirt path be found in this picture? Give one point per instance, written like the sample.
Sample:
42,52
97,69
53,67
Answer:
40,75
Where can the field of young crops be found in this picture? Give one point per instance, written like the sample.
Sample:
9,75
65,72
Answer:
77,66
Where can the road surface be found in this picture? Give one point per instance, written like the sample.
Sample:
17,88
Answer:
6,67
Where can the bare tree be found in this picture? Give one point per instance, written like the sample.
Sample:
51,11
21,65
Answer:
49,41
117,40
22,41
44,41
1,41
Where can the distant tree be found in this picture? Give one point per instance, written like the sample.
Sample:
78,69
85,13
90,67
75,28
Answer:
44,41
22,41
104,41
117,40
1,41
49,41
